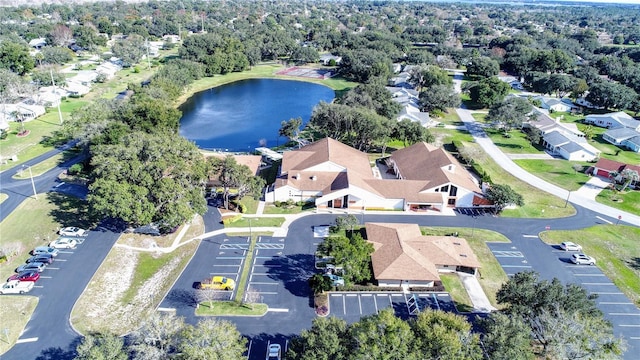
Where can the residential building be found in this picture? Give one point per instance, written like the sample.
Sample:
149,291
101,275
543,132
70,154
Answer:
563,139
334,175
403,257
553,104
325,59
605,168
614,120
409,99
623,137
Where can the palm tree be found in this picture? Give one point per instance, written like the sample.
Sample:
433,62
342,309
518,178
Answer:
629,176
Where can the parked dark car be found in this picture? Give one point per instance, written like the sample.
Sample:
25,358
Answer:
43,258
37,266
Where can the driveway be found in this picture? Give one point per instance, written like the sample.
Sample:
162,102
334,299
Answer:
593,187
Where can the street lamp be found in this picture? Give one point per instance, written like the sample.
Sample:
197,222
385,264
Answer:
33,185
567,202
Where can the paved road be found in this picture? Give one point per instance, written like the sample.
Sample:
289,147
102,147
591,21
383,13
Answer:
49,335
19,190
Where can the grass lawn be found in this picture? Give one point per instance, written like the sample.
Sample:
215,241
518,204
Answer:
257,222
479,117
30,146
269,208
446,136
557,172
616,249
35,223
250,203
629,200
454,287
537,203
609,151
516,143
16,312
128,286
492,276
3,197
230,308
41,167
450,118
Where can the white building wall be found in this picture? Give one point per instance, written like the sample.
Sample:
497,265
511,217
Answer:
465,198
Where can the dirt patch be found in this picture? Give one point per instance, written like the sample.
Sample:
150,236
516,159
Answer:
114,301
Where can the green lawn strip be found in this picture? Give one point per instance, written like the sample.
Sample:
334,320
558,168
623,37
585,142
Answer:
41,167
480,117
628,200
453,285
253,233
230,308
148,265
3,197
516,143
446,136
616,249
612,152
16,312
450,118
250,203
269,208
557,172
537,203
257,222
244,276
492,276
34,223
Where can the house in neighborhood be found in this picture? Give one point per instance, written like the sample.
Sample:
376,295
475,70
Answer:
605,168
38,43
403,257
553,104
325,59
401,80
334,175
563,139
623,137
24,110
409,99
583,102
614,120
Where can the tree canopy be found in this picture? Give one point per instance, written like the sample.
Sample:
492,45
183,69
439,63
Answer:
510,113
488,91
502,196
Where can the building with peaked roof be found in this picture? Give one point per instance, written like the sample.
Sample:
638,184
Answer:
335,175
409,99
606,168
403,257
553,104
614,120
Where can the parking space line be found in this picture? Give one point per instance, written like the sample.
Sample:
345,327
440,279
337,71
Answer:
351,295
606,293
20,341
56,260
230,257
623,314
266,257
516,266
50,268
629,325
225,265
344,306
607,283
530,236
615,303
46,277
263,274
336,295
396,295
265,283
38,286
375,302
65,252
267,292
605,220
435,298
366,295
223,273
360,304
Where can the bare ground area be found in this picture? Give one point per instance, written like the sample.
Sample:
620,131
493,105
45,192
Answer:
129,284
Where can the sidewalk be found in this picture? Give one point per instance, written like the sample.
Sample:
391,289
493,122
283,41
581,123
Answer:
476,293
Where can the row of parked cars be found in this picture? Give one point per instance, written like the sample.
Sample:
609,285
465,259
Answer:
28,274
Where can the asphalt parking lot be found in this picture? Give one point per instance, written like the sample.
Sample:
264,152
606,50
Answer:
351,306
550,261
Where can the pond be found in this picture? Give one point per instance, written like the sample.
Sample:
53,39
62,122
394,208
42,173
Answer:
243,115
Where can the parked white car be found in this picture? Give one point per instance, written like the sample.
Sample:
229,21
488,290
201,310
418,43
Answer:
274,352
63,243
73,231
582,259
16,287
570,246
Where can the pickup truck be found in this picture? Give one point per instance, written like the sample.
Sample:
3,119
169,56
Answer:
217,283
16,287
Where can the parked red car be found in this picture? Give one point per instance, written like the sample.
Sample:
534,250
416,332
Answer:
26,276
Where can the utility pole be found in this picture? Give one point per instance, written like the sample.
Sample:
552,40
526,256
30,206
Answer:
55,92
33,185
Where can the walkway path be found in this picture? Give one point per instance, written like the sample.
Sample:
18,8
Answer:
478,298
507,164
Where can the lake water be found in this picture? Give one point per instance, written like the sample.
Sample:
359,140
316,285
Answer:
246,114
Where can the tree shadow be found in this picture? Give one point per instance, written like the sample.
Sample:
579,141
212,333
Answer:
634,263
57,353
294,272
71,211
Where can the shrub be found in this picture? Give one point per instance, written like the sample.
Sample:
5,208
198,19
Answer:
231,219
75,169
242,208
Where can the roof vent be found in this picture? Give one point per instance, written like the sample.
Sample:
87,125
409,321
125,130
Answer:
298,176
314,178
